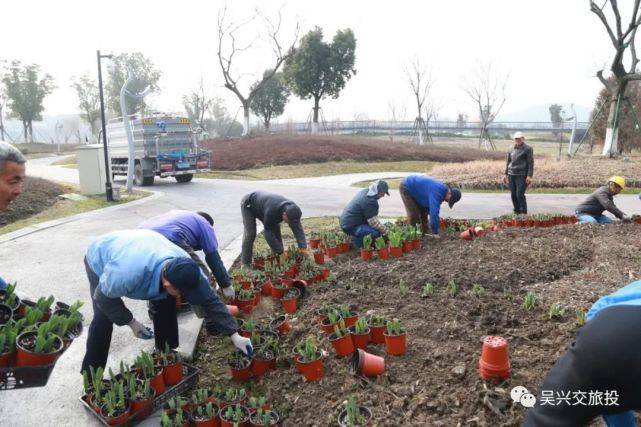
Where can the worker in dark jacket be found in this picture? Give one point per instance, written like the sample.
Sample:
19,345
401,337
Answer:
144,265
360,217
271,209
12,174
600,371
591,210
194,231
518,172
423,195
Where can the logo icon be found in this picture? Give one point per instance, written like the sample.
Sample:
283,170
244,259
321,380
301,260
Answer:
520,394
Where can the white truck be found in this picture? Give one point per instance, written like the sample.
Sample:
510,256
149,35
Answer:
164,145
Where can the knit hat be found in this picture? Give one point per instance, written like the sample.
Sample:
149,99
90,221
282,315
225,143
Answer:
183,273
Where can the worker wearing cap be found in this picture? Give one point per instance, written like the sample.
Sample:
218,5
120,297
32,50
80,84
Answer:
271,209
360,217
600,371
591,210
144,265
518,172
194,231
423,195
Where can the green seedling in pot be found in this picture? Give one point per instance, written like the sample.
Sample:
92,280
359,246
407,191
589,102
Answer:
199,396
32,315
377,320
146,364
452,288
428,289
139,392
339,329
478,290
114,401
233,395
44,304
169,356
205,412
234,413
255,339
246,294
360,327
581,318
45,341
9,332
96,380
367,241
307,350
555,311
10,295
177,420
332,317
176,403
403,288
264,418
257,402
86,384
395,238
380,243
531,301
394,327
345,311
354,417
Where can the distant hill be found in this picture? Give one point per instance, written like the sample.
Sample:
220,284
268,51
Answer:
541,113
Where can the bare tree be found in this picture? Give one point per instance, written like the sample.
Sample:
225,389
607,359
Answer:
487,89
396,113
228,49
432,110
196,104
623,42
421,81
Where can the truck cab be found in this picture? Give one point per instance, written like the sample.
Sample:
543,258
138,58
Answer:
164,146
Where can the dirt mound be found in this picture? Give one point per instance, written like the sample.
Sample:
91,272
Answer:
247,153
37,195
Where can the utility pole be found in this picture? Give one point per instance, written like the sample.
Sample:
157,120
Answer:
108,188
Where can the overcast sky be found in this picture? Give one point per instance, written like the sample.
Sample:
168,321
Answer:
551,49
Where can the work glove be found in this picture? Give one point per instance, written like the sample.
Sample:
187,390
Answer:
140,331
229,292
243,344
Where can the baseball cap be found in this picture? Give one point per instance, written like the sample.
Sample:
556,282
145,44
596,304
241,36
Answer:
382,187
293,212
518,135
455,197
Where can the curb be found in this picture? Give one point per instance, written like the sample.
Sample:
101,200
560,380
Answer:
56,222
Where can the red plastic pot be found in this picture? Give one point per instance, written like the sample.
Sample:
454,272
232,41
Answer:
325,273
119,420
343,345
158,383
233,310
173,374
253,422
345,247
26,357
245,284
266,289
494,362
312,371
289,305
396,345
382,253
479,232
278,291
243,423
366,254
359,340
368,364
314,243
144,406
327,327
319,258
467,234
417,244
281,324
376,334
396,252
351,320
260,367
332,252
241,374
407,247
214,422
246,306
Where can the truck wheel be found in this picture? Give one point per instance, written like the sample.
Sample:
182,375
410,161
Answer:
184,178
141,180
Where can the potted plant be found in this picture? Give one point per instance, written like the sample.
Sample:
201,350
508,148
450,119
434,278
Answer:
341,340
360,333
319,256
172,370
395,338
240,366
395,241
381,248
348,314
416,237
257,402
114,407
8,335
245,299
406,235
377,327
328,323
205,415
8,296
309,359
6,314
247,327
280,323
201,397
279,288
346,244
262,418
354,415
174,418
366,250
141,397
38,347
95,387
264,357
289,300
234,416
231,397
364,363
148,369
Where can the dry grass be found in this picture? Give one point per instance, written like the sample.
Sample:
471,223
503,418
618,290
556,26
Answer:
583,172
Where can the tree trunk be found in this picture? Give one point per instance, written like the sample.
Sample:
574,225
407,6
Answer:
267,121
315,119
25,131
1,125
245,118
612,131
30,131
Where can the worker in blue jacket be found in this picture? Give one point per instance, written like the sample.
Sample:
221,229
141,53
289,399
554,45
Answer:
144,265
422,196
194,231
601,367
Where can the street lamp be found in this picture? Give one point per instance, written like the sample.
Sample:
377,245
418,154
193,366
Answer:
109,190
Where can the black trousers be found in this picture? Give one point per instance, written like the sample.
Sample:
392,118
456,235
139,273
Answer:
517,189
163,313
604,358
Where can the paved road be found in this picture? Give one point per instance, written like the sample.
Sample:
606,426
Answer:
50,260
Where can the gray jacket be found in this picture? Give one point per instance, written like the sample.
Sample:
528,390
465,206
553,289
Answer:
520,161
599,201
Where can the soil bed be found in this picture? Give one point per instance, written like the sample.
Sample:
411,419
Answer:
437,382
37,195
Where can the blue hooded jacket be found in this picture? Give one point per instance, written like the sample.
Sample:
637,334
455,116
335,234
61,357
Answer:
429,194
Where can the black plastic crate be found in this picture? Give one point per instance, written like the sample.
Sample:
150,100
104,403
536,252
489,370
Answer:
25,377
190,379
